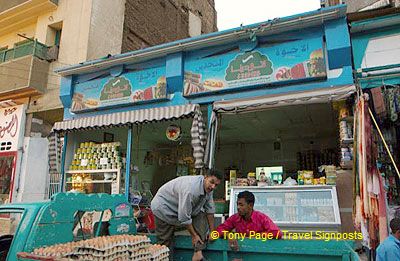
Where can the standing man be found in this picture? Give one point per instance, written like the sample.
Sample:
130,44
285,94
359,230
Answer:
389,250
186,201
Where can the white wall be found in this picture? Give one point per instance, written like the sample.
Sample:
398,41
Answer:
381,51
34,167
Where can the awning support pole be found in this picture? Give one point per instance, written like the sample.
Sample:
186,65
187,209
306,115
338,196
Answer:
384,142
62,170
211,135
128,162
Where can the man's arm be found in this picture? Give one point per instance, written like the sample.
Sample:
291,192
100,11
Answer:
228,225
185,208
270,227
185,215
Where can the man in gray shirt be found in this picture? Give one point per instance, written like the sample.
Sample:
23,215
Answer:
186,201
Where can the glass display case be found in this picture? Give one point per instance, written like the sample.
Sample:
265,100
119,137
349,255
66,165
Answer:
295,208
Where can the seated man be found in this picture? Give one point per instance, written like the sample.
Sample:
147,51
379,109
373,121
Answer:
248,220
389,249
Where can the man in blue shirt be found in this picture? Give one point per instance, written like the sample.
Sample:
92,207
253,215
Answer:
389,250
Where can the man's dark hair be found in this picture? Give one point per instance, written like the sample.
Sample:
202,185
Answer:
248,197
395,225
214,173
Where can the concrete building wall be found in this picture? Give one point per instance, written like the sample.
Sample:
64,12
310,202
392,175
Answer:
106,28
73,19
359,5
11,38
149,23
205,10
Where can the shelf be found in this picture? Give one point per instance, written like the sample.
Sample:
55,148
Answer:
92,182
91,171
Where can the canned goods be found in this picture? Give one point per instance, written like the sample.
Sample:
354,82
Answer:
82,145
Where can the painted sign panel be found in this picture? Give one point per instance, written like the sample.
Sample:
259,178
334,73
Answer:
12,122
133,87
122,210
281,63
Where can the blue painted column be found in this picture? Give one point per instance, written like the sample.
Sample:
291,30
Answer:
64,153
128,162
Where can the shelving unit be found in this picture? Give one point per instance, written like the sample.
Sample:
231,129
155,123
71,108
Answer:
115,182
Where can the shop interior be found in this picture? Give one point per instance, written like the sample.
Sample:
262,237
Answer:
292,138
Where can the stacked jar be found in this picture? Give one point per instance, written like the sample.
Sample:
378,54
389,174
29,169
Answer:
92,156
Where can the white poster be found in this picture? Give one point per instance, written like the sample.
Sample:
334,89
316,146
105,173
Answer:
12,123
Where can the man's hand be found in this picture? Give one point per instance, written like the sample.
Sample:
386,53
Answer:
196,240
233,244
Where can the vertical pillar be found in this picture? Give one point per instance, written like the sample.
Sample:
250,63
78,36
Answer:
128,162
64,153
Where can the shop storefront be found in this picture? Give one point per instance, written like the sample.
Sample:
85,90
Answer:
291,152
275,95
375,42
12,119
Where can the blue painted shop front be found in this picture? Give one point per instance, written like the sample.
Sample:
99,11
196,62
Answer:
374,43
290,55
296,58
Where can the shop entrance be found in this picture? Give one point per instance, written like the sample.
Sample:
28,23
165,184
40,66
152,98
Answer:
298,137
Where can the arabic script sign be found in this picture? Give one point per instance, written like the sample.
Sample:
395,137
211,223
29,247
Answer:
133,87
279,63
11,123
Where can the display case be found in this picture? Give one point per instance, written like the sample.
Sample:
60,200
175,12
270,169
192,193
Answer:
94,181
295,208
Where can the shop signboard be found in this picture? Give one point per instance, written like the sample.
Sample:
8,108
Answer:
12,122
133,87
292,61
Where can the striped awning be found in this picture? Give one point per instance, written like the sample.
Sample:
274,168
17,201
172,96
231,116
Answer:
198,129
128,117
322,95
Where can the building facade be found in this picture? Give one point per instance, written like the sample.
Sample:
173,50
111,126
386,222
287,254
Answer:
37,36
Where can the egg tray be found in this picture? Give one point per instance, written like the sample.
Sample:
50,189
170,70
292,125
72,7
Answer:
158,254
118,256
112,251
104,243
96,244
112,248
162,257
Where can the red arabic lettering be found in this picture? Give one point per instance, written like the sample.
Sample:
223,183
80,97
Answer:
9,111
11,128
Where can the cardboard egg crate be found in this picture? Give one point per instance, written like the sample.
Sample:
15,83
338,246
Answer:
120,247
